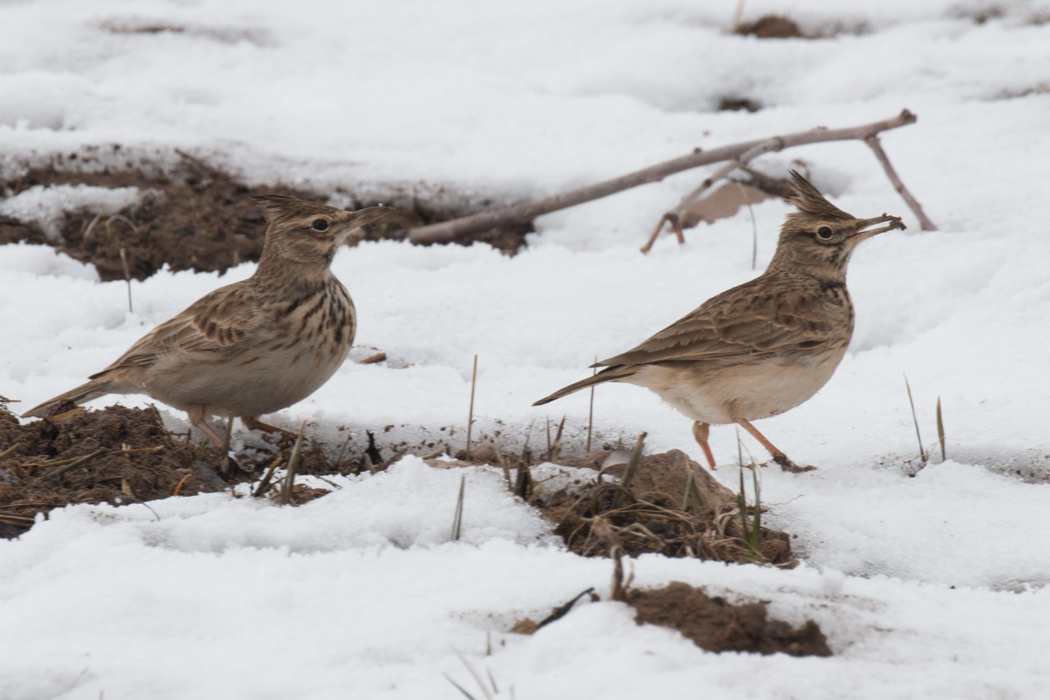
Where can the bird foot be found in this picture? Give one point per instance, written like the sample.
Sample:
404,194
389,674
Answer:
789,466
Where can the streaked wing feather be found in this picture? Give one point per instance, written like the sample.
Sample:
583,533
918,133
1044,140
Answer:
736,323
213,323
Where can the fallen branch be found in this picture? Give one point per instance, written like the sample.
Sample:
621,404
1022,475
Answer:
449,231
873,141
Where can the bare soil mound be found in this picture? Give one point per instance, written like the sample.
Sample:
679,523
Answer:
117,455
121,455
653,514
716,625
200,219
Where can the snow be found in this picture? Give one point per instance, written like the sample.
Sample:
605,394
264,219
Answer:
46,206
932,586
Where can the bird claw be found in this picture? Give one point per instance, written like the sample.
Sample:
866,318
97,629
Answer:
789,466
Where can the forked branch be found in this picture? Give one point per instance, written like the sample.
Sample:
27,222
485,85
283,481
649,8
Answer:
449,231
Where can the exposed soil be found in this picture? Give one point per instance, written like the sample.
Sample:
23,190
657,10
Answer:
716,625
648,515
122,455
772,27
198,218
128,456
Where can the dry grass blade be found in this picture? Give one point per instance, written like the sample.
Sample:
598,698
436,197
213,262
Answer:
293,464
477,677
458,687
178,486
554,451
470,414
58,471
17,520
457,519
560,612
915,419
632,465
619,588
264,484
590,412
10,449
940,429
127,276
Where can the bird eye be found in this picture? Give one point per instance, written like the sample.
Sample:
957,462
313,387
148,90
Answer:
824,233
319,225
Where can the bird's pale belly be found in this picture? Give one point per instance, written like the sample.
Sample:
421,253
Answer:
273,381
754,390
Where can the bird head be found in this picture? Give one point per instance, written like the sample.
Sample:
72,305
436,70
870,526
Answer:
819,238
308,232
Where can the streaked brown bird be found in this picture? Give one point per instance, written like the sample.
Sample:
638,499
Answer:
252,347
766,346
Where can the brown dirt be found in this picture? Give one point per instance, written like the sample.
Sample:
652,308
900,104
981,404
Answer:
203,220
716,625
133,459
772,27
139,461
649,517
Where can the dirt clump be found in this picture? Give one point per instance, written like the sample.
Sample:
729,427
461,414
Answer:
717,625
118,456
653,513
121,456
195,217
772,27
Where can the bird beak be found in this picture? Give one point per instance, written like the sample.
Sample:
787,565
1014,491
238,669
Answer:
363,218
863,232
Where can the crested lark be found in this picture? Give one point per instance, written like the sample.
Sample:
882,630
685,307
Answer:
766,346
255,346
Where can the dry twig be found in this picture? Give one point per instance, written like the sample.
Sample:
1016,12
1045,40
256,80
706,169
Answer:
455,229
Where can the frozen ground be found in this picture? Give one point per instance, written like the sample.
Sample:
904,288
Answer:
928,587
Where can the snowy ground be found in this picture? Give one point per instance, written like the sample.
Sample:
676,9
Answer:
928,587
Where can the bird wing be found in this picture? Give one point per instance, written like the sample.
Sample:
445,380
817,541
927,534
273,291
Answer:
212,324
760,317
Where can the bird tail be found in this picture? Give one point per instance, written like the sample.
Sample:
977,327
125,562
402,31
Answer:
82,394
609,374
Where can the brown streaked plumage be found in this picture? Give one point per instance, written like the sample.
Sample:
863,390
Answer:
766,346
252,347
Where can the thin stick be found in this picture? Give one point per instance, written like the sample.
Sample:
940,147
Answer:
632,463
457,519
10,449
737,15
455,229
674,216
754,227
940,429
127,276
590,413
264,485
293,463
555,450
77,462
924,222
915,419
470,414
226,444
